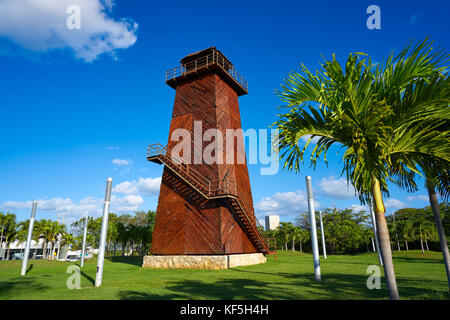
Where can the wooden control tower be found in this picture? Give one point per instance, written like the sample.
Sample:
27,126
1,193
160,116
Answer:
205,208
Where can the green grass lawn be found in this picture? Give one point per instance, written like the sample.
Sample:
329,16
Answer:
291,277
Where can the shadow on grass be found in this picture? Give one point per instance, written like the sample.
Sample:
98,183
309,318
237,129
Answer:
297,287
29,268
18,285
418,260
193,289
133,260
89,278
136,295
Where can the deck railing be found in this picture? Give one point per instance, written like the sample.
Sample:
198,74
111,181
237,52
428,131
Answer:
213,58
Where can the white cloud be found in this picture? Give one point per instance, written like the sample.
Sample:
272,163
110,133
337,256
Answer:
144,186
66,207
40,26
113,148
287,203
75,210
126,187
122,162
44,204
337,188
420,197
394,204
132,199
358,208
109,4
126,204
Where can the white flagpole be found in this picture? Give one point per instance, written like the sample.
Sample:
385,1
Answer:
101,249
312,215
28,243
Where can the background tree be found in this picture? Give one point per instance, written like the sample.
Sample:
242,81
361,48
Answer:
6,221
10,234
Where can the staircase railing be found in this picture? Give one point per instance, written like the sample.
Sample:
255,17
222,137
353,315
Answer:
259,228
209,188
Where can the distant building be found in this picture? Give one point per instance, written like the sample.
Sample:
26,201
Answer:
272,222
17,249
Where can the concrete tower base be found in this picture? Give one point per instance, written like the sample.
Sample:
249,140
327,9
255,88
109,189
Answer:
203,261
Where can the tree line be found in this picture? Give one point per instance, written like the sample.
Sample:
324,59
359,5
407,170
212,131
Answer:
349,232
415,229
53,234
127,232
132,232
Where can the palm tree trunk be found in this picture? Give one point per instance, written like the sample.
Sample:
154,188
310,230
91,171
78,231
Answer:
59,248
53,250
396,233
107,248
293,245
124,245
1,243
7,246
406,245
438,221
49,251
426,244
421,245
385,243
44,250
301,247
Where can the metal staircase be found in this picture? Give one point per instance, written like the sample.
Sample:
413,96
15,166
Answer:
213,189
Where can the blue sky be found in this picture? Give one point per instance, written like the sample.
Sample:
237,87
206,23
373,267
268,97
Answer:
73,102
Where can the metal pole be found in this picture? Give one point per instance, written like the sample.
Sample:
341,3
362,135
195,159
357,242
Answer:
323,236
101,249
374,226
28,244
83,251
312,215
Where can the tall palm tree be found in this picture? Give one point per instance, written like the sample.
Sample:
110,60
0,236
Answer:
367,236
433,91
67,239
285,230
423,230
349,106
10,236
294,235
7,221
44,229
22,231
56,231
407,231
430,233
433,181
123,236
